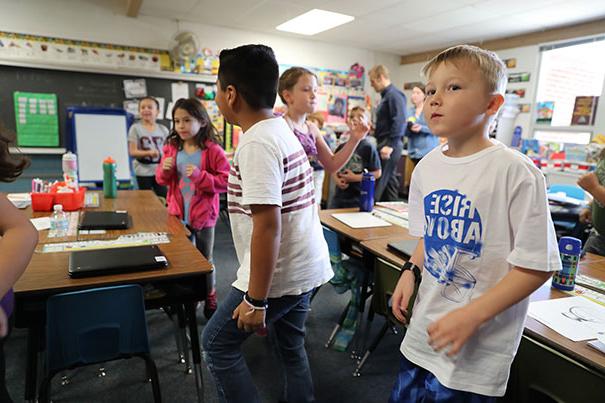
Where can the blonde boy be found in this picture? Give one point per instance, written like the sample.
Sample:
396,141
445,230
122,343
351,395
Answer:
487,240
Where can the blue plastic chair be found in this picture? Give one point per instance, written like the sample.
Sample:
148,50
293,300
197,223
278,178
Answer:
94,326
573,191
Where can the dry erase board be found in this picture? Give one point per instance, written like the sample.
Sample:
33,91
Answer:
96,135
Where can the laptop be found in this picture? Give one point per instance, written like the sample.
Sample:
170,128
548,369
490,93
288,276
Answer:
405,247
101,262
104,220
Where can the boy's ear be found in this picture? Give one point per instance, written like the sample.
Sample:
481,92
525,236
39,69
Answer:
231,96
495,102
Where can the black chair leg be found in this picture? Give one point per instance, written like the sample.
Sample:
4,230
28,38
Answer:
372,347
343,315
152,373
180,312
44,391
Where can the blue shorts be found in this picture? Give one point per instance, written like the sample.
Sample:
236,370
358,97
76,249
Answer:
416,384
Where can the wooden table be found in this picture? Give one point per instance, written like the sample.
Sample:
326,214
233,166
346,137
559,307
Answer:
47,275
538,339
359,234
352,241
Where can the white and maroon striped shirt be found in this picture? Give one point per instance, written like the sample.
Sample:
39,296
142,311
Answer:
270,167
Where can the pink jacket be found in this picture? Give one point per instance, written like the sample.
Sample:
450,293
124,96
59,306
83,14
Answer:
209,181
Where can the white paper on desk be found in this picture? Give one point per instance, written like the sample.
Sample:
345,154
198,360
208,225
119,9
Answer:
361,220
576,318
561,197
41,223
20,200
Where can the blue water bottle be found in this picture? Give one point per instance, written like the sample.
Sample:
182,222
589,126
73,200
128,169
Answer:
366,198
570,249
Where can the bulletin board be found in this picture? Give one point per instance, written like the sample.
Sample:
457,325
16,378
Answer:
96,134
36,119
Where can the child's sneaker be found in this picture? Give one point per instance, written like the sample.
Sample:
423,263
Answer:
210,304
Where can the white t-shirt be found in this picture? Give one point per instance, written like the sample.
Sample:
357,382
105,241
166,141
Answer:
271,167
479,216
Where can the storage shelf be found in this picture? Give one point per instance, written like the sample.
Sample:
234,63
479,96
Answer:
118,70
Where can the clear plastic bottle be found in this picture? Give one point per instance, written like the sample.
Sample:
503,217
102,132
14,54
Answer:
59,222
70,169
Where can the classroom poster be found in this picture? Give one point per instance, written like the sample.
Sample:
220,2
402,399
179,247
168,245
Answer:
36,118
518,77
545,111
584,110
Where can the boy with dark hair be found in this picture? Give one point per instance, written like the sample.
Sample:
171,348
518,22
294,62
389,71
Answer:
276,231
487,240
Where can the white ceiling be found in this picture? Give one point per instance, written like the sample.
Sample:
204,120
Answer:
395,26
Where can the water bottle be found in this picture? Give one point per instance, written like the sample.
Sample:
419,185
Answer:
70,169
516,142
366,197
59,223
110,183
570,249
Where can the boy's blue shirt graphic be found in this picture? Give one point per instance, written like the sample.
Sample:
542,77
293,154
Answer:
453,234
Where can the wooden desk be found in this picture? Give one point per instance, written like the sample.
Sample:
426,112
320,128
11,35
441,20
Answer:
47,275
147,212
379,248
542,349
359,234
593,266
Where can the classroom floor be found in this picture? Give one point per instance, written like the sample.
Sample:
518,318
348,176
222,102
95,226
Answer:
124,380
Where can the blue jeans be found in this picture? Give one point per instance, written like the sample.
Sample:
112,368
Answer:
417,385
222,340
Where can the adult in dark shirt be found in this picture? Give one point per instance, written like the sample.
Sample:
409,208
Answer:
390,125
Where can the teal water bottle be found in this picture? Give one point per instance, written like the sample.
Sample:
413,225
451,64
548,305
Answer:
110,183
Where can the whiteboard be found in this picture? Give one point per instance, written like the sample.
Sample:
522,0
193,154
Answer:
98,136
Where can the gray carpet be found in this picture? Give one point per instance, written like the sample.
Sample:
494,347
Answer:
124,381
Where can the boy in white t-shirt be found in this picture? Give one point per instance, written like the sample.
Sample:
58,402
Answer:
487,240
276,231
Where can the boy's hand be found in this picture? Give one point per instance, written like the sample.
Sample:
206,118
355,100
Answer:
401,296
588,182
3,323
359,129
190,170
168,163
585,216
347,175
385,152
415,128
153,153
248,320
453,330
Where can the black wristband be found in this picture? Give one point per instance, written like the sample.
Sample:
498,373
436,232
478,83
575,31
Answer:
257,303
413,268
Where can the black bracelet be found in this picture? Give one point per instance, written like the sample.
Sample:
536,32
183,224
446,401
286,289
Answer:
257,303
413,268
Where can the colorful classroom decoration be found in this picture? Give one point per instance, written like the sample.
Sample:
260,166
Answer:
36,119
545,111
584,110
37,48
